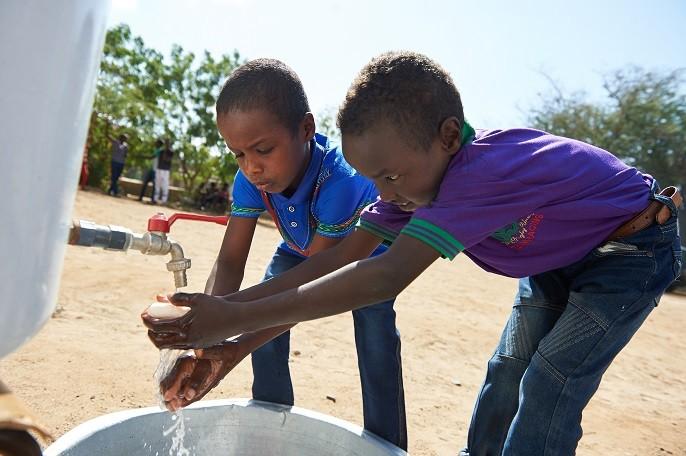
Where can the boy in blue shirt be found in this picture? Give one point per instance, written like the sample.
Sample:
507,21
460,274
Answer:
593,241
315,199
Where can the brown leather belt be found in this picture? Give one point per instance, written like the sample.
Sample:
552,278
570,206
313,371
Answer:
656,212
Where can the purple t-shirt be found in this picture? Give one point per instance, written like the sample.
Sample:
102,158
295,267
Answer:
520,202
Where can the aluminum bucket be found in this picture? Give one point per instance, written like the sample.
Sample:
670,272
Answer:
224,427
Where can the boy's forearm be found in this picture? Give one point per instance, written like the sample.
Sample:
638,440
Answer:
356,285
338,292
249,342
313,268
356,246
224,279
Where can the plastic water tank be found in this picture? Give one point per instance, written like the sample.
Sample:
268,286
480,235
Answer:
49,55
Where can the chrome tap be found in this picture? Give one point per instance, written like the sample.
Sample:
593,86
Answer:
153,242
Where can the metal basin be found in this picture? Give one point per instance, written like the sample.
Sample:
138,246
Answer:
221,428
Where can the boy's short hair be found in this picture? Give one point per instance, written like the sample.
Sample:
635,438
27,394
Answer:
265,84
408,89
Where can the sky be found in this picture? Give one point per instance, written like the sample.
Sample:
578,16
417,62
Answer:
499,53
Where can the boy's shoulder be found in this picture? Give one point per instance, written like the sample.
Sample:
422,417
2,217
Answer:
334,166
504,153
336,174
337,180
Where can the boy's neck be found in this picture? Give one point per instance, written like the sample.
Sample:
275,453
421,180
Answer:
290,191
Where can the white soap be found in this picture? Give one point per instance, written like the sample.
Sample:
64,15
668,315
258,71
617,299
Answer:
166,311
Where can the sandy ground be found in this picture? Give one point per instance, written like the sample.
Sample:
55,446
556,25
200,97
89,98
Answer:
93,356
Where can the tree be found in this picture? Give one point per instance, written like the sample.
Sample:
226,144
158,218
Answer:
146,96
642,121
326,124
130,83
189,109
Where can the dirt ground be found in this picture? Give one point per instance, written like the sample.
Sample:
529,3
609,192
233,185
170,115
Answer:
93,356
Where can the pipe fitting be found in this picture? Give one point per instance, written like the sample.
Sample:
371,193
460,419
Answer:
112,237
178,265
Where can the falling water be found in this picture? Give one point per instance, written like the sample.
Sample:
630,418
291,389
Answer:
168,358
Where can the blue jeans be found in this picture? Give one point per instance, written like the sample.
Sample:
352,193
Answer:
115,171
378,357
149,177
566,327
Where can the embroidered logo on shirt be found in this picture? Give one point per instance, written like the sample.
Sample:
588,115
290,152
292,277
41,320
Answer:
519,234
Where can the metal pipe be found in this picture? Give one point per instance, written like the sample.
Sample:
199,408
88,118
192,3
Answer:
112,237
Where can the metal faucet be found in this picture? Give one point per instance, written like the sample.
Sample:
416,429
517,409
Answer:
153,242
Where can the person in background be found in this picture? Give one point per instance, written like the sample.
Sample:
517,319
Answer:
120,149
164,162
83,178
150,173
207,194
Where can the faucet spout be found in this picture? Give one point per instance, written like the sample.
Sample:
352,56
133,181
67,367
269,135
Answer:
178,265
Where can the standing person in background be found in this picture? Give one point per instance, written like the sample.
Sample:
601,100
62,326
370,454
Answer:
150,174
164,161
83,178
120,148
207,195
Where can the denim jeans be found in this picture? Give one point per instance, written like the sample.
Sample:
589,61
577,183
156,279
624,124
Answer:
378,358
149,177
116,169
566,327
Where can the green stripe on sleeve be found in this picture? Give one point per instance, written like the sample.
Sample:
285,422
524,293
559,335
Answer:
377,230
249,212
435,236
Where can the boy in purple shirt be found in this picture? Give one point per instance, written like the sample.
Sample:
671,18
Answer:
594,243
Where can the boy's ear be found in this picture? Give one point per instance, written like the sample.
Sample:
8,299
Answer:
307,127
450,135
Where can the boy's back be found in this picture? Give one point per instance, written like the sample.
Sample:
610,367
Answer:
523,201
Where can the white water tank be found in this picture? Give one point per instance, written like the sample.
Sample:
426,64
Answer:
49,59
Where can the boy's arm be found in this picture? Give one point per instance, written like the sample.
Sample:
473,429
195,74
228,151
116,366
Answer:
228,270
329,254
356,285
194,377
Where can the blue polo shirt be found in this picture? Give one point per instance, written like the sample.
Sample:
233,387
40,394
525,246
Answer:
328,200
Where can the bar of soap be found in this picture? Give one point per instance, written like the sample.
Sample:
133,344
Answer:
165,311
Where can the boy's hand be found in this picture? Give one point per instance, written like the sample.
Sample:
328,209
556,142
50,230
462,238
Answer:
206,324
192,377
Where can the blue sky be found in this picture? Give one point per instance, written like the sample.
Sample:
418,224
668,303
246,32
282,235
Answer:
496,51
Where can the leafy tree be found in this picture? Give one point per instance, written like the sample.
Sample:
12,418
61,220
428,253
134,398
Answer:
144,95
326,124
642,121
189,109
129,86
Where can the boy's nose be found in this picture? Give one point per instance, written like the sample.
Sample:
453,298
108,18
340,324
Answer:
253,168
